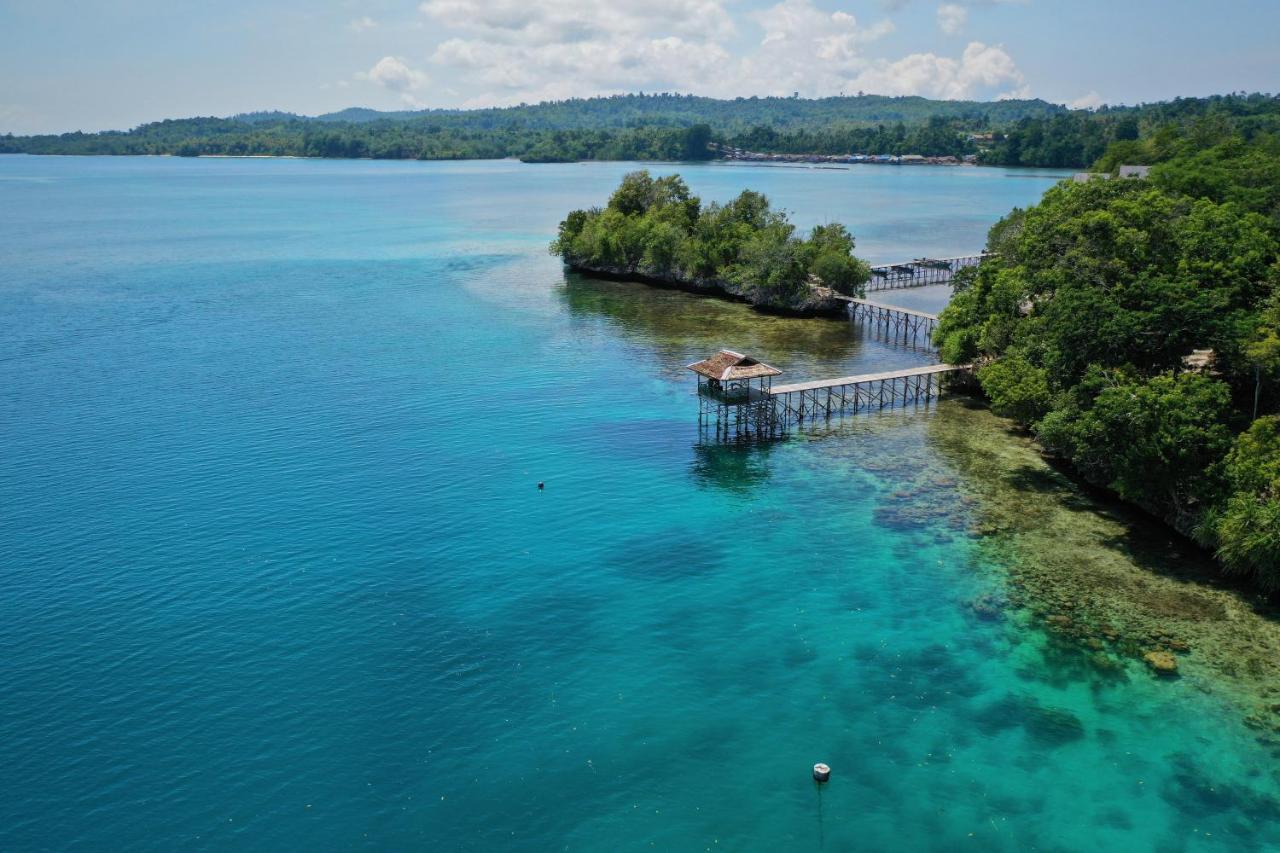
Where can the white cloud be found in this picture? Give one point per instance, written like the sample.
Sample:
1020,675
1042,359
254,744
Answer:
359,25
1089,101
952,18
982,71
899,5
395,76
544,49
540,22
499,52
804,49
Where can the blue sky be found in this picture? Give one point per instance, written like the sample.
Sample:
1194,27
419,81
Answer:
68,65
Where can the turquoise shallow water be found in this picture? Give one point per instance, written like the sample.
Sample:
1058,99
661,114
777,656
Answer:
277,575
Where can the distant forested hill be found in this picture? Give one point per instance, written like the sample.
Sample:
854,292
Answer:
725,116
621,127
677,127
1153,132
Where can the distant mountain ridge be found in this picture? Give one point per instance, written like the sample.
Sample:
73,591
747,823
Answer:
684,110
682,127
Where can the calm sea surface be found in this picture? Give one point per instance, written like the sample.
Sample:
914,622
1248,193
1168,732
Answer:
276,575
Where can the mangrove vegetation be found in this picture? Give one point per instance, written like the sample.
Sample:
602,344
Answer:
653,229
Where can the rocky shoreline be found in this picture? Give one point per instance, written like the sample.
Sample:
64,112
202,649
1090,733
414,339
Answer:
817,304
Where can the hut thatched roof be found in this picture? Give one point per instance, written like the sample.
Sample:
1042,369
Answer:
728,365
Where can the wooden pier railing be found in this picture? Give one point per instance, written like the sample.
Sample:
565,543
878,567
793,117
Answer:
804,401
892,321
920,272
751,408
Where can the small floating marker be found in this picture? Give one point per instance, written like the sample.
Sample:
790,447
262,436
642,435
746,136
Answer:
541,485
821,772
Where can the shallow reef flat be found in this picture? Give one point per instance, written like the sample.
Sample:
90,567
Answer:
1103,581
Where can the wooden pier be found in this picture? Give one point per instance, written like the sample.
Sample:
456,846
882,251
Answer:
736,392
892,321
806,401
920,272
737,397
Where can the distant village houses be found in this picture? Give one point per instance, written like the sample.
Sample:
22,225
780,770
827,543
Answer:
1124,172
729,152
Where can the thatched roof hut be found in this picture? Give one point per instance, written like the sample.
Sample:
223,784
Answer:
729,366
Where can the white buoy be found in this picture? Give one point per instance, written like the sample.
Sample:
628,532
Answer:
821,772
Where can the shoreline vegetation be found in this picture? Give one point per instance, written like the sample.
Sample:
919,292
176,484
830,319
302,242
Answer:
654,231
1133,327
673,127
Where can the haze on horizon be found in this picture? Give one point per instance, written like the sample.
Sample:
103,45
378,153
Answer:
114,66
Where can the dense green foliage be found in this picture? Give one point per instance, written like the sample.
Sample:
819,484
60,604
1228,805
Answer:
677,127
624,127
1148,134
938,136
653,228
1247,526
726,115
383,140
729,118
1083,323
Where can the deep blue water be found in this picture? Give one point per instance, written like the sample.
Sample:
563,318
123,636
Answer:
276,574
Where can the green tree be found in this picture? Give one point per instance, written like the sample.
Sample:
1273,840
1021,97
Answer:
832,260
1151,440
1247,528
1017,388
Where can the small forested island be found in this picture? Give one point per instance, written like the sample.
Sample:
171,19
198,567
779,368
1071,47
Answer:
1134,327
653,230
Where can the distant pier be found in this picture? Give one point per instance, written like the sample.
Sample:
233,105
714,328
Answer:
892,321
920,272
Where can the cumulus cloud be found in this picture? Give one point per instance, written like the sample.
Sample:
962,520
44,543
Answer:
981,71
359,25
803,49
394,75
545,49
541,22
1089,101
500,52
952,18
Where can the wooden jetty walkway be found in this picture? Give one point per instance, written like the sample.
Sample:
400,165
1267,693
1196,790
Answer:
737,396
801,401
893,321
920,272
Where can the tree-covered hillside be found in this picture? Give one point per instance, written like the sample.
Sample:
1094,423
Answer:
677,127
1140,135
728,116
1134,326
625,127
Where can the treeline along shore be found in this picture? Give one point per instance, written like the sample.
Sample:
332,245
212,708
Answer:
1134,327
684,127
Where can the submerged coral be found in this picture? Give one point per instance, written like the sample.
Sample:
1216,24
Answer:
1103,578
